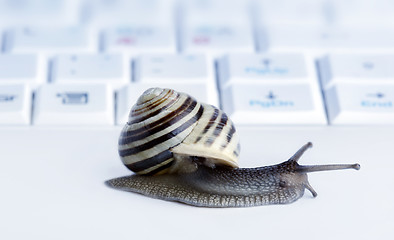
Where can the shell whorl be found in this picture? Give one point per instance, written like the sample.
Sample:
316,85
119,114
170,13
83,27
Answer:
165,124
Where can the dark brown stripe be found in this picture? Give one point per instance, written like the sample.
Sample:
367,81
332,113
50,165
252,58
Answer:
218,129
209,124
165,137
159,124
143,118
235,153
229,136
150,162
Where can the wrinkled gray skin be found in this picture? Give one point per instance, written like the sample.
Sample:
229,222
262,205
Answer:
224,187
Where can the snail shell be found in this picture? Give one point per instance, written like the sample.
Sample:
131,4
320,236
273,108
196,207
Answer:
170,132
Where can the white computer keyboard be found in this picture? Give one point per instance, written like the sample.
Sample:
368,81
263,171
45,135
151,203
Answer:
285,71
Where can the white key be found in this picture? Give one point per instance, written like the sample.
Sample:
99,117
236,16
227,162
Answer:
113,69
216,11
317,41
217,40
106,13
39,12
273,104
81,104
128,95
290,12
166,67
137,39
49,41
266,68
356,68
195,71
364,13
28,69
360,104
216,27
15,105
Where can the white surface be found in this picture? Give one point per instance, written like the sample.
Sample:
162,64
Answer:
52,187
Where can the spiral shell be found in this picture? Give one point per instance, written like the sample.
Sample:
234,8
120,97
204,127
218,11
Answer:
168,130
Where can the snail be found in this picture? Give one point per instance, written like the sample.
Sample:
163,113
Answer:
185,151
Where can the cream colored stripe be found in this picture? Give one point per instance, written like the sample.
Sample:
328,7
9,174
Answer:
162,114
158,148
143,102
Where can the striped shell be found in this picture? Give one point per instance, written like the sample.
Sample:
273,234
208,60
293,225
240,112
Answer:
168,131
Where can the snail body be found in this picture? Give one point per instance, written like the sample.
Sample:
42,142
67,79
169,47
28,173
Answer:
200,165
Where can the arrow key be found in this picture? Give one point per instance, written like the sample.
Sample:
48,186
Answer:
360,104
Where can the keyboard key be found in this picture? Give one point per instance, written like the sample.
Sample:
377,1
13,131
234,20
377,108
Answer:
106,13
67,104
217,40
364,13
112,69
360,104
317,41
356,68
290,12
134,40
39,12
215,9
164,69
128,95
273,104
15,105
161,67
207,28
28,69
49,41
265,68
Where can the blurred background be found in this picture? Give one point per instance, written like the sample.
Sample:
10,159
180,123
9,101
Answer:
236,54
285,71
